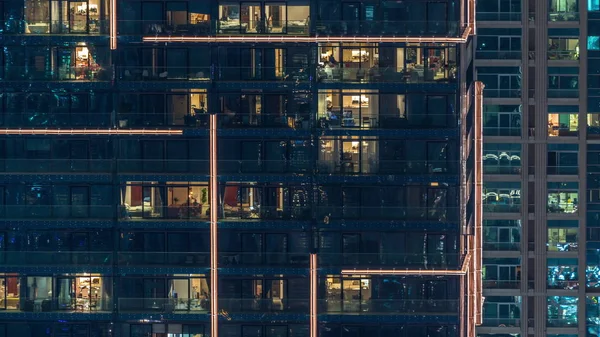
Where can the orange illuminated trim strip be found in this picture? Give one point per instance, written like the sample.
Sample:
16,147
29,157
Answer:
113,24
478,218
214,283
310,39
89,132
457,272
313,296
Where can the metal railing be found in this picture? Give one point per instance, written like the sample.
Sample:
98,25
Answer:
91,73
304,27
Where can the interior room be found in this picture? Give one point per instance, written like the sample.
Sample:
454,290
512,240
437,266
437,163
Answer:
349,62
349,154
86,292
563,125
563,239
263,18
562,202
45,16
189,292
10,291
298,19
352,294
174,201
348,109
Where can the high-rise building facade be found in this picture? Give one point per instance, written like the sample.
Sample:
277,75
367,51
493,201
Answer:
538,60
194,168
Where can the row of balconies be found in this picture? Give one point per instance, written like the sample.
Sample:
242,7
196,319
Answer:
349,166
185,212
237,27
121,259
161,305
285,74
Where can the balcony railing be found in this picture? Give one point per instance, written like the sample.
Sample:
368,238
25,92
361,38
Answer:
502,93
501,284
437,213
71,212
562,169
501,131
501,246
501,322
498,16
443,73
498,55
375,166
399,261
367,166
502,208
563,16
65,304
91,73
236,305
415,260
72,258
383,120
91,26
235,27
500,169
563,55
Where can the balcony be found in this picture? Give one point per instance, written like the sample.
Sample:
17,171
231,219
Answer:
441,73
91,73
36,27
498,55
407,213
379,120
569,55
502,93
501,246
416,260
498,16
300,27
556,16
53,258
368,166
501,284
284,305
57,305
48,212
163,73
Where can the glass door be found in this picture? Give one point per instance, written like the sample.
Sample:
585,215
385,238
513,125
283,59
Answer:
78,155
350,161
252,64
276,294
66,293
154,294
252,246
350,249
80,201
65,63
78,16
351,295
59,14
351,17
276,18
3,291
252,20
80,247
